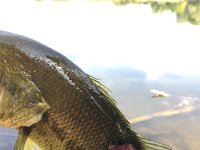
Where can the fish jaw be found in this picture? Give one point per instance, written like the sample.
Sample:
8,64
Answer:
26,116
21,101
25,119
42,107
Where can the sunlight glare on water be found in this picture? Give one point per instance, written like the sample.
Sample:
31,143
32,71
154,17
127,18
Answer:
101,34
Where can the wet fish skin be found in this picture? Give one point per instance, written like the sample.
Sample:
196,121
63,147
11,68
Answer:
21,102
78,114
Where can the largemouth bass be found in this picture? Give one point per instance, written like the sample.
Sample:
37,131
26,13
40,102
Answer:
58,106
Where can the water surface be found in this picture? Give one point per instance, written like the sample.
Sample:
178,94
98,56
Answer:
172,120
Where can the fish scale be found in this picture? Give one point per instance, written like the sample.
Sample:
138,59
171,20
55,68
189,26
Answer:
72,111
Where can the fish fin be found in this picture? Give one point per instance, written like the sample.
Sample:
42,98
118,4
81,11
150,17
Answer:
105,92
22,137
103,89
147,143
31,145
152,145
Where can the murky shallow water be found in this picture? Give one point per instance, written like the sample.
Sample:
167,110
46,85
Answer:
172,120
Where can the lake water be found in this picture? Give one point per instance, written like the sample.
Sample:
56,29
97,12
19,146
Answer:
104,34
172,120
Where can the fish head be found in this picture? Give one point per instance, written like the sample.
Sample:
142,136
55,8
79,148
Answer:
21,102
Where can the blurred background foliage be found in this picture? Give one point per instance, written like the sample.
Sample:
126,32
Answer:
185,10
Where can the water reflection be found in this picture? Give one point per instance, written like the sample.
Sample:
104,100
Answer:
172,120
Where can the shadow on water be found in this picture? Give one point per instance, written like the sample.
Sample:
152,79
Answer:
171,120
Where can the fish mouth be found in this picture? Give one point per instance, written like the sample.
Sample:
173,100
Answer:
25,117
37,116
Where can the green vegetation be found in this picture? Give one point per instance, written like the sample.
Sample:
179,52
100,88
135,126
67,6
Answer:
186,10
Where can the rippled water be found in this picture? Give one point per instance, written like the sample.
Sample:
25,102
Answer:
172,120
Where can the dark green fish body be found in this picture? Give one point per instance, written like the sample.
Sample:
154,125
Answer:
77,113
